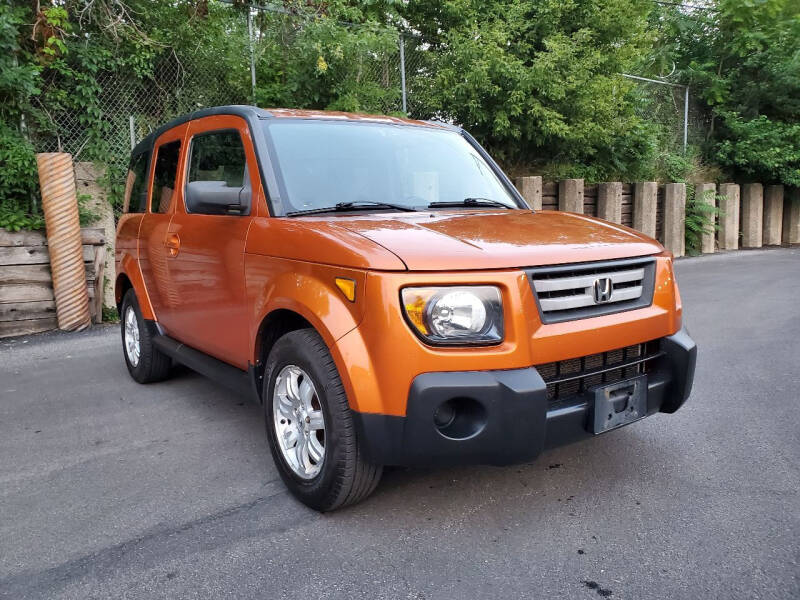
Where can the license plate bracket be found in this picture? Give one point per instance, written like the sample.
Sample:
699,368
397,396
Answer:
618,404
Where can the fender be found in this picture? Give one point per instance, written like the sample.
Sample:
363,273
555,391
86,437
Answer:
358,375
340,358
309,290
129,267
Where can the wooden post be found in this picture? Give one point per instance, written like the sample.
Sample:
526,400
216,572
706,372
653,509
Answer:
791,217
99,277
609,201
531,189
729,216
570,195
752,215
773,215
707,193
645,203
675,218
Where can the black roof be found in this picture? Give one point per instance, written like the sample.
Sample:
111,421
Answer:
239,110
251,114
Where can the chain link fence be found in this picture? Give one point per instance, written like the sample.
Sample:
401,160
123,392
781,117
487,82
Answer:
130,109
366,76
671,108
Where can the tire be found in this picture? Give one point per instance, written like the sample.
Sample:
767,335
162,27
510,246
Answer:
343,476
151,365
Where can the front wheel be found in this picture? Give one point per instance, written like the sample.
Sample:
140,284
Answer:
310,427
145,362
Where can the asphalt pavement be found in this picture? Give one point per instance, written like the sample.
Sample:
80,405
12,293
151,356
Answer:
110,489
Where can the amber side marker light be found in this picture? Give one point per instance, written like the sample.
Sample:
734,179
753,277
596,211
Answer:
415,309
347,287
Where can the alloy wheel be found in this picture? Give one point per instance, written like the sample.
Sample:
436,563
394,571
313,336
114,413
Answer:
299,422
132,346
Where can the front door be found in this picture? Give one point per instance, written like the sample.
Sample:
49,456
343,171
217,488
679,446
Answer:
206,263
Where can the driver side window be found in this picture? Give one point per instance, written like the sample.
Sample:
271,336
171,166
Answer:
218,179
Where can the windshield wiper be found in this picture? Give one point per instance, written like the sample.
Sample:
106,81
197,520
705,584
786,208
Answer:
348,206
470,202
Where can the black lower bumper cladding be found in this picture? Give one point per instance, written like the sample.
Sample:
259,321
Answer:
504,417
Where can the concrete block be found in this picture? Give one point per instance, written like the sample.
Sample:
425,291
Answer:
645,204
707,193
531,189
675,218
752,215
773,215
791,217
570,195
609,201
87,180
729,216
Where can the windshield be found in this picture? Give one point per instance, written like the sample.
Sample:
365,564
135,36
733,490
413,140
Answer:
321,164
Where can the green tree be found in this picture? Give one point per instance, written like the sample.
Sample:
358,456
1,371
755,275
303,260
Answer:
338,55
742,58
537,82
18,88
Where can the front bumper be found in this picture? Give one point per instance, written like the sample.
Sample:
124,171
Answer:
507,418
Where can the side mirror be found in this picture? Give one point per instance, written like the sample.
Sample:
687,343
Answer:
217,198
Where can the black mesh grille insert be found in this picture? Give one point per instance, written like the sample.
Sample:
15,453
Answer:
574,376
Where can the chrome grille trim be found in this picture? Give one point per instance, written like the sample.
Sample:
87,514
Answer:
585,281
567,292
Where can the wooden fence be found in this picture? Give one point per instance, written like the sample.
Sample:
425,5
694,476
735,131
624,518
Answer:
750,215
26,289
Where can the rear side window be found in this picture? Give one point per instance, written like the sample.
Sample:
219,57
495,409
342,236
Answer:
136,185
218,156
164,176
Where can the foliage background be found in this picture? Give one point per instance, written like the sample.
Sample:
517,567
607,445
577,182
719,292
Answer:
536,81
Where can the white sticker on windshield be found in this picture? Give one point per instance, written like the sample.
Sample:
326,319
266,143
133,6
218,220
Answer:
426,185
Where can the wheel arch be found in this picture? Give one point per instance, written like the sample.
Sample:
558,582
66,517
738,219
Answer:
129,276
278,322
121,287
275,324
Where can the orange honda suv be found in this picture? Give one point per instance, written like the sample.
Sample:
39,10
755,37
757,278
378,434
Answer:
380,287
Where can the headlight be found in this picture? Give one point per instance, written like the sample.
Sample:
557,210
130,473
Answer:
455,315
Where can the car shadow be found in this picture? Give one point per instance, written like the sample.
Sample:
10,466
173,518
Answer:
616,462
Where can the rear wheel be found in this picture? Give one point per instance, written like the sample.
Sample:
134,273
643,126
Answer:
310,428
145,362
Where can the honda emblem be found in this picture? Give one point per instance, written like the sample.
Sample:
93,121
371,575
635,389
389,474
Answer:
602,290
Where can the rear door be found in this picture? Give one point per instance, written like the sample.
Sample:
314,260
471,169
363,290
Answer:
164,194
133,208
207,266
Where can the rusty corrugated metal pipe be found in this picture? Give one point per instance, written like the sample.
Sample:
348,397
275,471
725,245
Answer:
60,205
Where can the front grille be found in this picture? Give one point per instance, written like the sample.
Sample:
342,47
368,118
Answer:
574,376
568,292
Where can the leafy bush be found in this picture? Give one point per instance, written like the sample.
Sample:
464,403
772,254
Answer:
18,175
16,219
741,60
761,149
18,85
110,314
700,219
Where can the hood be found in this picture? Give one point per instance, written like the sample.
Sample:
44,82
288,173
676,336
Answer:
460,240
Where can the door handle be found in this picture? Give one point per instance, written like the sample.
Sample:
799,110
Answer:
173,244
